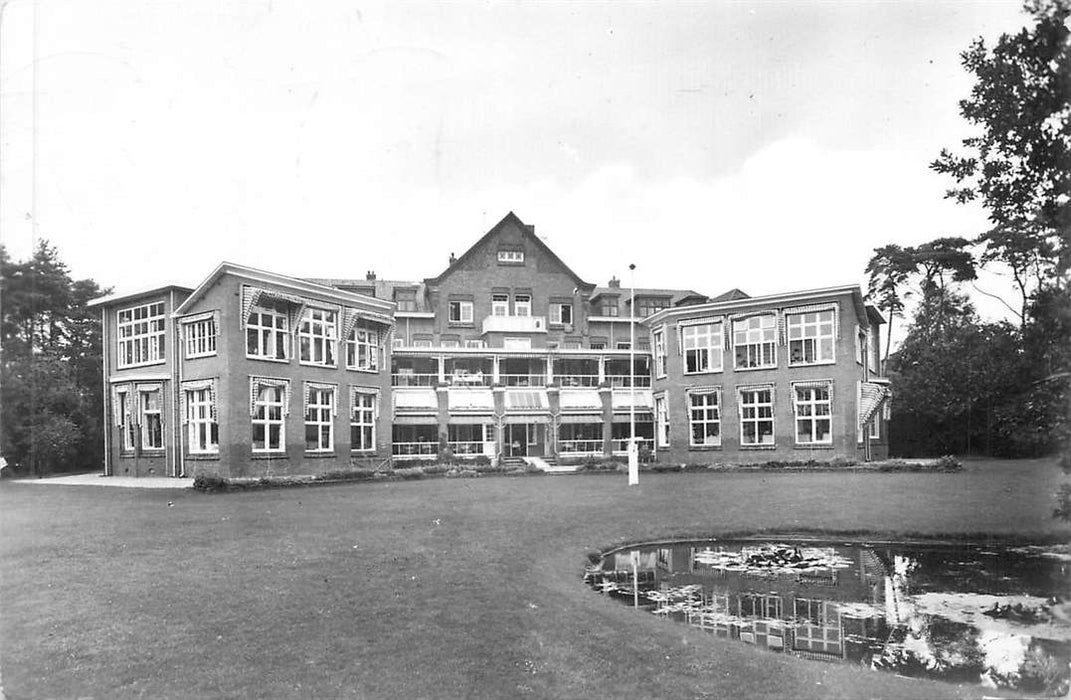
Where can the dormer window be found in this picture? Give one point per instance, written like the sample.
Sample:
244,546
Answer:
511,257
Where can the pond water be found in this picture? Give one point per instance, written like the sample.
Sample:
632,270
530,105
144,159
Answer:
966,614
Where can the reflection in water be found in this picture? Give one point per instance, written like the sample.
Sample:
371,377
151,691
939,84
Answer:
961,614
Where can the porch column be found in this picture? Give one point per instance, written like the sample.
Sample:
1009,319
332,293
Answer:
442,369
495,370
602,370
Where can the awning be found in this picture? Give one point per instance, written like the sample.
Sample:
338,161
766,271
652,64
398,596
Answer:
581,418
415,400
580,400
471,420
519,420
871,397
622,400
641,417
472,400
531,400
415,420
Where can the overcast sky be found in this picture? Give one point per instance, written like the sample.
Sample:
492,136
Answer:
759,145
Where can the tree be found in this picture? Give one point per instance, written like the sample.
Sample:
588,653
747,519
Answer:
889,270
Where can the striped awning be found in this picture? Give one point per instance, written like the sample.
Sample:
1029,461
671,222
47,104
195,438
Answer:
580,400
871,397
531,400
482,400
411,400
622,400
641,417
581,418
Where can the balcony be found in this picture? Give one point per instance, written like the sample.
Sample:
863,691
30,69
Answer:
413,379
523,379
515,324
580,447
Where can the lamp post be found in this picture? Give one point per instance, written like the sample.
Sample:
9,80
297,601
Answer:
633,450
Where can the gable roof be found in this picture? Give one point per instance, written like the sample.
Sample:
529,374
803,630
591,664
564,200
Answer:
529,233
383,289
125,296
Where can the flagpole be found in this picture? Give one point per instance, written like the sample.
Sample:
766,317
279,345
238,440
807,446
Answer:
633,451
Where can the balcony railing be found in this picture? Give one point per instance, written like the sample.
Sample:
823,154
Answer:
626,381
577,380
410,379
523,379
470,379
577,447
620,445
515,324
469,447
405,450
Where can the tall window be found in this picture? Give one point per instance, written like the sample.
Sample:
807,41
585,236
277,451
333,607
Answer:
645,306
317,337
200,337
662,420
460,311
561,313
202,432
405,299
363,421
268,428
500,304
522,305
704,417
755,341
660,353
266,335
127,427
319,425
141,335
609,307
152,426
702,347
756,417
810,338
814,421
362,349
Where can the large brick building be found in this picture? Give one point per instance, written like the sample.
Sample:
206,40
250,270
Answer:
507,353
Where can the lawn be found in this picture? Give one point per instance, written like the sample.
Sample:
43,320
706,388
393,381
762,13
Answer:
433,589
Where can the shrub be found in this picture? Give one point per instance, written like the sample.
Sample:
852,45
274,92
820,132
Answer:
355,474
662,467
948,463
482,461
433,469
840,462
693,467
209,482
409,473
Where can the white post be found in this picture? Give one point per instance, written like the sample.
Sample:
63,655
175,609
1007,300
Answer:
633,451
635,579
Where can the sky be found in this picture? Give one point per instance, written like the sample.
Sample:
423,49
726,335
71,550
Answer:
765,146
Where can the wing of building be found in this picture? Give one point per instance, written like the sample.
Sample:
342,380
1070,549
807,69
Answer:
506,354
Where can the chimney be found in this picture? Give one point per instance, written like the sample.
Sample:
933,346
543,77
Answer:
615,283
452,259
370,276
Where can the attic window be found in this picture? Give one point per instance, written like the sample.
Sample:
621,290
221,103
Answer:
511,257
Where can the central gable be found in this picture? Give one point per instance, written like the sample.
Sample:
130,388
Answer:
509,248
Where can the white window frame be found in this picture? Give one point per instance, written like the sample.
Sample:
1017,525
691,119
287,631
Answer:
268,398
128,428
500,304
623,345
751,413
874,426
363,418
610,309
511,257
318,338
807,410
271,337
202,433
319,414
659,342
702,345
475,343
522,304
146,415
140,333
757,332
200,335
464,311
661,411
703,414
362,349
804,330
558,313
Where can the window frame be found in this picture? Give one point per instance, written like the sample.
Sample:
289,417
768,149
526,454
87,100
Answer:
151,340
326,340
715,346
797,321
557,315
320,415
661,420
510,256
500,304
813,417
267,421
199,423
359,412
462,306
202,331
659,340
370,342
757,419
705,419
278,334
128,429
522,302
762,344
148,444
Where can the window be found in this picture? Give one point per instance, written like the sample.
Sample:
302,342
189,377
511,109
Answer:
268,419
810,338
660,352
475,343
814,421
702,345
870,355
522,305
704,417
317,337
141,335
319,425
405,299
200,337
152,427
597,345
266,335
202,431
623,346
511,257
561,313
609,307
645,306
756,417
755,341
362,349
662,420
500,304
127,427
572,345
875,427
449,343
860,346
460,312
363,421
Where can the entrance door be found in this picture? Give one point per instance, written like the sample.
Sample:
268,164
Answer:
517,440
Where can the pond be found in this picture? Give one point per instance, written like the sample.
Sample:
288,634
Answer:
999,617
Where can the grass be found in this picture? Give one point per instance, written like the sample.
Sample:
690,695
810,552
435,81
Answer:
433,589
